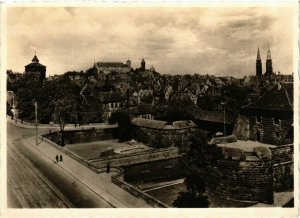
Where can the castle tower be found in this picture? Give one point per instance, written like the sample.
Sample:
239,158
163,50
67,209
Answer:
258,65
128,63
143,64
269,68
36,68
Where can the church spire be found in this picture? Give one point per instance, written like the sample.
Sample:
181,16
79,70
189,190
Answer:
35,59
269,53
269,67
258,65
258,54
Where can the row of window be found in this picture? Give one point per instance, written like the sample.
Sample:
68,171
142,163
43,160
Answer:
114,105
276,120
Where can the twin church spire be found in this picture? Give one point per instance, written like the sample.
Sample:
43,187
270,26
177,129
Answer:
269,68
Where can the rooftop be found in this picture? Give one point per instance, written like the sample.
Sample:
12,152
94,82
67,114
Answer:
158,124
214,116
279,98
247,146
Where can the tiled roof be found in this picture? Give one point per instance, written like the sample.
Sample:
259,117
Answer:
213,116
279,98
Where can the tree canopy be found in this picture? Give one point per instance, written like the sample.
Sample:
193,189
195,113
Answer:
122,118
198,161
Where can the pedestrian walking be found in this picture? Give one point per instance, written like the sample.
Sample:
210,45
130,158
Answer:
56,158
107,167
61,158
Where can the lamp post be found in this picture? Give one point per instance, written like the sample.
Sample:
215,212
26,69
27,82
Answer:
224,107
36,129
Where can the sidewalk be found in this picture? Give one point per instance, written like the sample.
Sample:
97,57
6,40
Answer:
98,183
56,126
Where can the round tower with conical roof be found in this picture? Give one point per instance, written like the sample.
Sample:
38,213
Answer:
36,68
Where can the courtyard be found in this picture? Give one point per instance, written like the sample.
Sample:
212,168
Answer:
105,148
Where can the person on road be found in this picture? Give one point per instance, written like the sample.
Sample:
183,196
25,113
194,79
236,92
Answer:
61,158
56,158
108,167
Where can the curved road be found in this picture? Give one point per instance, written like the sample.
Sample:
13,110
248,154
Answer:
33,181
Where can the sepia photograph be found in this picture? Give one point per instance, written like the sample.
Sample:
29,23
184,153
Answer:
145,106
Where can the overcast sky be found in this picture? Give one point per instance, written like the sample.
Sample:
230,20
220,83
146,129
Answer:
219,41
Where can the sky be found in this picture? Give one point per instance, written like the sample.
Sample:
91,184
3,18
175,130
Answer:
179,40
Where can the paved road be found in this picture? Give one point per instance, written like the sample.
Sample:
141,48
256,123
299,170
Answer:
75,184
29,175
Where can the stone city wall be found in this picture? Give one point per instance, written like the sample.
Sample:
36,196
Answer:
283,168
162,138
268,130
242,181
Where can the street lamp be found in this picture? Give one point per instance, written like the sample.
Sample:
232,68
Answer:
36,129
223,104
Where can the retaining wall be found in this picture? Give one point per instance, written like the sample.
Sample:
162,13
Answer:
83,136
136,158
118,180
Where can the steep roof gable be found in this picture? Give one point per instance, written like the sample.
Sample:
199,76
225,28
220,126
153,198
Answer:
279,98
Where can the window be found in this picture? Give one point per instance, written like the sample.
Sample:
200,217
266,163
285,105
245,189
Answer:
276,120
258,119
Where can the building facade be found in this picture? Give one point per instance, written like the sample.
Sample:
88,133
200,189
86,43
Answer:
108,67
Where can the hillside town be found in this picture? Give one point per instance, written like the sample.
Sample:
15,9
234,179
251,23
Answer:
169,140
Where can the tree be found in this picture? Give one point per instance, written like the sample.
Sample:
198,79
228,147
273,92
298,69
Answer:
66,109
125,131
147,99
197,162
179,108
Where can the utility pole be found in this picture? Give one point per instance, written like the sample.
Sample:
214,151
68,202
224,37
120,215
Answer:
36,128
224,105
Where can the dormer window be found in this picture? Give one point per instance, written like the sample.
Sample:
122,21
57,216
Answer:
276,120
258,119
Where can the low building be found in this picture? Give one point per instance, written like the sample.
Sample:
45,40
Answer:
111,102
156,133
141,111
